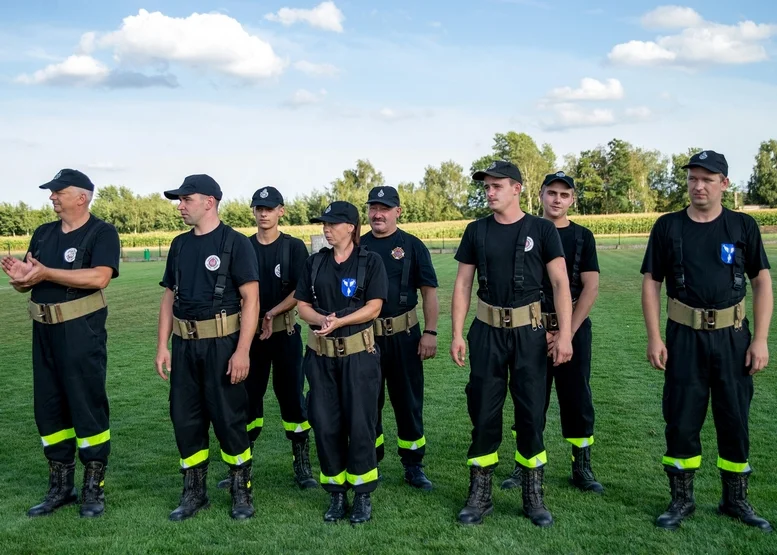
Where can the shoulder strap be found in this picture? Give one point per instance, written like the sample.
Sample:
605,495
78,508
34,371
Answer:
520,252
227,242
285,258
480,248
676,235
361,275
735,225
87,243
404,287
44,235
576,283
175,251
318,258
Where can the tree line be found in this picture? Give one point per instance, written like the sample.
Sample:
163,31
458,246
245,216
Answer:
614,178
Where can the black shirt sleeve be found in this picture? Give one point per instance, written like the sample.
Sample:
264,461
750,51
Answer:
755,257
33,239
244,266
168,278
551,241
299,254
466,252
425,276
589,261
653,261
107,248
302,292
376,281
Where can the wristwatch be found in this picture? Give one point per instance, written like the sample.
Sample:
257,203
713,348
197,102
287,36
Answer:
430,332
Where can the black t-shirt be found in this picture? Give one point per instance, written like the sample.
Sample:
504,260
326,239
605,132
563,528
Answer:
336,284
708,257
542,245
588,261
58,250
199,261
270,267
395,250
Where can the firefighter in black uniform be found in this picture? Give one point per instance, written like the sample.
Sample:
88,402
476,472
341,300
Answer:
340,294
278,342
403,347
67,266
507,334
211,306
572,379
704,251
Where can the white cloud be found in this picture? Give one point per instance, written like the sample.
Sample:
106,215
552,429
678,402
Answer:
325,16
316,70
87,43
699,41
303,97
568,115
75,70
590,89
671,17
639,113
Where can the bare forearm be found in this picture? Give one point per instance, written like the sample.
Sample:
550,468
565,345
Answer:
249,321
431,308
21,289
459,308
165,319
368,312
763,306
87,278
651,307
309,314
562,298
284,306
583,308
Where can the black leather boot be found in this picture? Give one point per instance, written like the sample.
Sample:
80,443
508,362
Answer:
479,503
240,488
338,507
514,480
734,501
362,508
61,491
195,493
534,497
93,492
303,475
414,475
683,503
582,476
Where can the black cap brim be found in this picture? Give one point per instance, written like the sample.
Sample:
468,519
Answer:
558,180
389,203
478,176
175,194
327,219
265,204
55,185
708,167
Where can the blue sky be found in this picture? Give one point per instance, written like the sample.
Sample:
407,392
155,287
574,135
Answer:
292,93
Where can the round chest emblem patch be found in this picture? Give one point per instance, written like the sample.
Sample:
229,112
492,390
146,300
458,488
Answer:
398,253
529,244
213,263
70,255
277,270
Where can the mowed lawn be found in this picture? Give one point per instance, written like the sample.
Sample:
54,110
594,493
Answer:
143,483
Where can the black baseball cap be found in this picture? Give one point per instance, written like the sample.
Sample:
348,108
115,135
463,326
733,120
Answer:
383,195
69,178
500,168
559,176
201,183
338,212
269,197
709,160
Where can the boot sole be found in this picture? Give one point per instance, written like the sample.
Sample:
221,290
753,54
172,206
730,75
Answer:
677,526
55,509
479,522
737,518
205,506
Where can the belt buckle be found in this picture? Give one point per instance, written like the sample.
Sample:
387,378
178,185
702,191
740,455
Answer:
191,329
708,319
339,343
553,321
505,317
388,326
44,313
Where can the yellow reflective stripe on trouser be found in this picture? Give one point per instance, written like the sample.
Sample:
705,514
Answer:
197,458
729,466
58,437
237,460
84,442
379,441
683,464
258,423
485,460
355,480
581,441
296,428
412,445
338,480
534,462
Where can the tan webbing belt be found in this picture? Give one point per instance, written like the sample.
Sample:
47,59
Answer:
527,315
334,347
282,322
706,319
70,310
550,319
397,324
220,326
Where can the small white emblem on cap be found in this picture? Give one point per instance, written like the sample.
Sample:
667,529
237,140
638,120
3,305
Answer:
70,254
703,156
263,193
59,174
380,193
328,209
492,166
561,174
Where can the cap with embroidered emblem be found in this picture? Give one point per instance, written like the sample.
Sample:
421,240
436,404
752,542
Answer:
193,184
69,178
710,161
338,212
500,168
383,195
559,176
269,197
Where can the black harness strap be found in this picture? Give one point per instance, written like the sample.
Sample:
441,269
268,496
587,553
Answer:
175,251
318,258
480,244
520,253
361,276
227,242
676,234
734,226
404,287
87,243
285,258
576,284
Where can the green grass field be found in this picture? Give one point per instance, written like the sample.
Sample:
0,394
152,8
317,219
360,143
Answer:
143,483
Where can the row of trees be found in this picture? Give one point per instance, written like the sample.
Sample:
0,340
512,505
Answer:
616,178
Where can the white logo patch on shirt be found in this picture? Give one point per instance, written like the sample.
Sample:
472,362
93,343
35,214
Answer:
70,254
529,244
277,270
213,263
